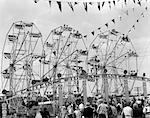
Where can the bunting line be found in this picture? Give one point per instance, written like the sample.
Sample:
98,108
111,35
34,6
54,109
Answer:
120,19
100,4
137,21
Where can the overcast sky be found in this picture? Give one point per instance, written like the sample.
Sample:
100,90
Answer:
46,18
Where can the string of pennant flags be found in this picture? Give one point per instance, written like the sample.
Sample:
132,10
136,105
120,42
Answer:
120,18
100,4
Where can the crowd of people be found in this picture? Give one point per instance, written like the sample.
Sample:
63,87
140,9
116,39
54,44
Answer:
134,108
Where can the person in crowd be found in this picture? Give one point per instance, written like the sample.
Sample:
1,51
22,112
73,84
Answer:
94,106
45,113
77,112
33,107
137,110
119,108
38,114
127,111
146,110
70,111
63,112
113,112
102,109
81,108
88,111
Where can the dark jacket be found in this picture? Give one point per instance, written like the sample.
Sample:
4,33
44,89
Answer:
88,112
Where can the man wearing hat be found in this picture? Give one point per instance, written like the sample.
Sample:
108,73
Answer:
102,109
88,111
146,110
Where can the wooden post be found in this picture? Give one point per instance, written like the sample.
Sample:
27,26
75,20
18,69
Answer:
60,91
84,90
106,95
60,95
126,86
85,73
144,86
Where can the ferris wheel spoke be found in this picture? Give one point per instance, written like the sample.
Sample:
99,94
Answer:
63,49
19,81
21,45
117,58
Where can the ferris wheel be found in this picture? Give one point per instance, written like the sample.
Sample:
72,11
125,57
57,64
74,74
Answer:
113,53
22,48
64,54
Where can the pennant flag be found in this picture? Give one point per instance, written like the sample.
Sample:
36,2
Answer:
113,20
114,2
103,3
133,26
106,25
139,3
125,1
133,9
127,13
90,3
109,2
99,6
92,33
49,3
59,5
142,14
54,52
99,28
36,1
146,8
75,3
71,6
129,31
120,18
85,36
85,6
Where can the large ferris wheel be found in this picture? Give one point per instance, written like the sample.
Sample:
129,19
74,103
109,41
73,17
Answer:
115,54
22,48
65,52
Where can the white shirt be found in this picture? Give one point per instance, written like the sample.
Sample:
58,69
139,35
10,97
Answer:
77,113
128,112
102,109
146,111
81,107
38,115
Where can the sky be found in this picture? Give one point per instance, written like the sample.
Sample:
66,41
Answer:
46,18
